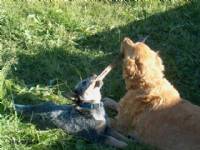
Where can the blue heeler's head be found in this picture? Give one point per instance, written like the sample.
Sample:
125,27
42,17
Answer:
88,90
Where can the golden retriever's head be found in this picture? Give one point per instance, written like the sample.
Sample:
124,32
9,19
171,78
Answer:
141,65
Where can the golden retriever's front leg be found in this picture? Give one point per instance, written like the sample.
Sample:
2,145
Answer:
118,135
109,140
133,136
110,103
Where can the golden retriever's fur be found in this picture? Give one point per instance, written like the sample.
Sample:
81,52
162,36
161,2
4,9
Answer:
152,109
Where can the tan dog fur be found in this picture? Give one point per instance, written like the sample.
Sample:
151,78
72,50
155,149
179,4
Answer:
152,109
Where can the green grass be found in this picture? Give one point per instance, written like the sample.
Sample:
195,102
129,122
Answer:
46,47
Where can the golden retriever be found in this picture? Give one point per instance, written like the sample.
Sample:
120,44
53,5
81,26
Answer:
152,109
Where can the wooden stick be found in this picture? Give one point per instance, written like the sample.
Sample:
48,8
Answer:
105,72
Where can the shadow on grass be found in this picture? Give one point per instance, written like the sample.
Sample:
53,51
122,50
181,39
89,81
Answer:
50,66
61,67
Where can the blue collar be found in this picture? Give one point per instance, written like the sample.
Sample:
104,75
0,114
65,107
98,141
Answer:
91,106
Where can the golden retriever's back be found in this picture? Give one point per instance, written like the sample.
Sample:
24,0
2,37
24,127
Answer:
152,109
172,128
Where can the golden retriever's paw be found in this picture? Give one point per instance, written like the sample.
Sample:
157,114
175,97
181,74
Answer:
133,138
110,103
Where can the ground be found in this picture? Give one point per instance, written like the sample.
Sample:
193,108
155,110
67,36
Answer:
46,47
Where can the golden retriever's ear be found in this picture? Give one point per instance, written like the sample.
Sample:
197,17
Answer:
130,68
159,62
140,66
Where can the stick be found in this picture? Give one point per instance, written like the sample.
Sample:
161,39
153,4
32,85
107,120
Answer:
105,72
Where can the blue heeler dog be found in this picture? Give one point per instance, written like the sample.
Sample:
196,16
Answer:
87,118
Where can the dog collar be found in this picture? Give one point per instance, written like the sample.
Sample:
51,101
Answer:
91,106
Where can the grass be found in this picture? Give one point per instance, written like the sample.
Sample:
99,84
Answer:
46,47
